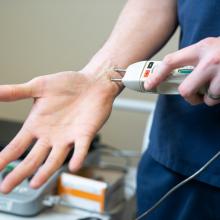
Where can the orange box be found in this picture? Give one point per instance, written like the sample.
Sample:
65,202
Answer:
94,189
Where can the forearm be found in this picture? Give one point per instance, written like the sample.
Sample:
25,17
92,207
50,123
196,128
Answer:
143,27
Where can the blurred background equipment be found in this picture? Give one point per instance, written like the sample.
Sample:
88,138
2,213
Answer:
98,189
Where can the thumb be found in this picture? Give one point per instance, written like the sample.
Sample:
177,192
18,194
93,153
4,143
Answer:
184,57
15,92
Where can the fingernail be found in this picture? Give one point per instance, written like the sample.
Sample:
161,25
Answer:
4,189
33,184
72,169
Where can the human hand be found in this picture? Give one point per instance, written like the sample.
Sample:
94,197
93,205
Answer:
68,110
205,56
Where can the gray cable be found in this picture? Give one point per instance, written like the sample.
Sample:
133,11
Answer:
177,187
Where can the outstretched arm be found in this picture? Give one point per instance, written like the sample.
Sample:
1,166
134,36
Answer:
70,107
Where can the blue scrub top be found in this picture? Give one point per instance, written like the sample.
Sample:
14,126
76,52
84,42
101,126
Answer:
184,137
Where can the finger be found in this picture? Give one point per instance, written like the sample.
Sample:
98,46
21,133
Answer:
214,89
55,160
16,147
180,58
195,99
15,92
27,167
80,152
195,81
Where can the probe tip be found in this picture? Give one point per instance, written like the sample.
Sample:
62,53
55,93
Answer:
119,70
116,80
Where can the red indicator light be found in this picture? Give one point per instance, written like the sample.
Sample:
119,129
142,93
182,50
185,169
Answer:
146,73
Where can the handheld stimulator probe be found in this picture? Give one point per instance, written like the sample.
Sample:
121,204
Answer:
134,77
136,74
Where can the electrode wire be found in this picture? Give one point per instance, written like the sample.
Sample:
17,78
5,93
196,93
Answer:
178,186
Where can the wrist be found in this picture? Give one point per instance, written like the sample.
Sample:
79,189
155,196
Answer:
100,61
102,82
100,69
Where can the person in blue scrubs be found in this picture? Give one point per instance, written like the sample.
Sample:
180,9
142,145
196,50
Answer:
70,107
185,136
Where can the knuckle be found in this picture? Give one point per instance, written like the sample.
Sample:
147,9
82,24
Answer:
206,42
27,130
30,162
168,60
45,143
15,147
38,85
12,92
213,59
54,161
185,92
209,102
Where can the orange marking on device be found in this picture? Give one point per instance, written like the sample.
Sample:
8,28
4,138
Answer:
146,73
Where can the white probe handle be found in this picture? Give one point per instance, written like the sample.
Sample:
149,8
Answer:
137,73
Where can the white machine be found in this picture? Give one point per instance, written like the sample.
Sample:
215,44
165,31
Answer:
23,200
136,74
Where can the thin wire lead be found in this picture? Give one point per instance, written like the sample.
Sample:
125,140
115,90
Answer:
178,186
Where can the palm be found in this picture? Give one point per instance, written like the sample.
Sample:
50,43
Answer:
70,113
